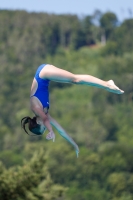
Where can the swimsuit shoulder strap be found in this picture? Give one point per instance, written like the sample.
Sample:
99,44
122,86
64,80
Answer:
38,71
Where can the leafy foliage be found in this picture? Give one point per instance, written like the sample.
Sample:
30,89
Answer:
99,121
31,181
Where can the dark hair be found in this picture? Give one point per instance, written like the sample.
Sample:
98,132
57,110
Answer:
31,124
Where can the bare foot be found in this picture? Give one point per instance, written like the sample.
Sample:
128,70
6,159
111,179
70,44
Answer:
113,88
50,136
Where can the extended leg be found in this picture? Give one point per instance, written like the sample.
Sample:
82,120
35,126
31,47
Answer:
93,81
59,75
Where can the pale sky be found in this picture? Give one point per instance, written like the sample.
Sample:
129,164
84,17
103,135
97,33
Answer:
122,8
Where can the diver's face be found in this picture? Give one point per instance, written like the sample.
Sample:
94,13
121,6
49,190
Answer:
39,130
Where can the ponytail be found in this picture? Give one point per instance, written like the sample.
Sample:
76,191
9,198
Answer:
31,124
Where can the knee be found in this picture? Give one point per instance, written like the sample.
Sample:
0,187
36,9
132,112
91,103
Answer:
75,80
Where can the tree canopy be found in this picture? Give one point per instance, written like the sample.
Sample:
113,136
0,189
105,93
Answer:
100,122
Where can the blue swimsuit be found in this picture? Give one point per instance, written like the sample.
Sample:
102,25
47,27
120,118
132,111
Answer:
42,92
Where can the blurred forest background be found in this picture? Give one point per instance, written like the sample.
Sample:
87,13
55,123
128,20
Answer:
100,122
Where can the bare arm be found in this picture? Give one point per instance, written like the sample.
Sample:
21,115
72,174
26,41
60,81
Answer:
45,120
63,133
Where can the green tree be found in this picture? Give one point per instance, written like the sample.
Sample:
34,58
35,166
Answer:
123,37
108,23
31,181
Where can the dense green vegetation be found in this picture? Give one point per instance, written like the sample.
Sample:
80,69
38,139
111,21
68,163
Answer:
100,122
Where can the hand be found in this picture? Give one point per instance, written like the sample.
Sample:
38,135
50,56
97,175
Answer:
50,136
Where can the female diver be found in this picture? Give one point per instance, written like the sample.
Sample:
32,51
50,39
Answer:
39,99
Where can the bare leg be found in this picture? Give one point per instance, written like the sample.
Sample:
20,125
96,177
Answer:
93,81
59,75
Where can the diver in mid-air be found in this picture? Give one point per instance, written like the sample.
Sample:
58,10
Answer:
39,99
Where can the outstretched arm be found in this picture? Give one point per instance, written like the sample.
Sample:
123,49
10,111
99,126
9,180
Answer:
63,133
